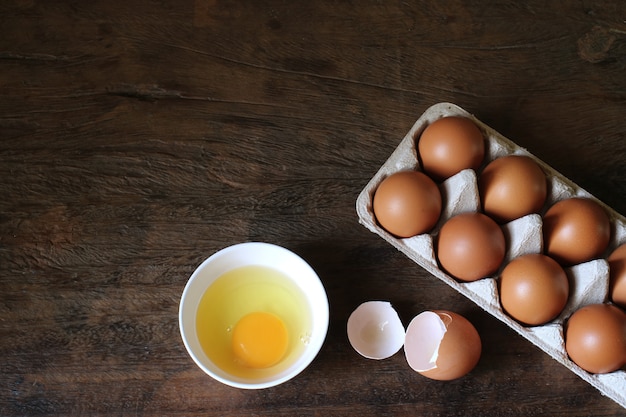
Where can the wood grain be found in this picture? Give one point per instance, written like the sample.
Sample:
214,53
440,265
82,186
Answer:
139,137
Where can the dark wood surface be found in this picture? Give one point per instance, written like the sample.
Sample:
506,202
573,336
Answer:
139,137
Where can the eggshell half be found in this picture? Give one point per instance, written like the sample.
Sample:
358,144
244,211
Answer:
375,330
442,345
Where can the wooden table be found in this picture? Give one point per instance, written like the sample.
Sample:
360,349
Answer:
139,137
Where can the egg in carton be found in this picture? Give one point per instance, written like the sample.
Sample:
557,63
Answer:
589,281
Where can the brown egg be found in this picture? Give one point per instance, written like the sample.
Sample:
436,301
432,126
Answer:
470,246
575,230
442,345
617,270
533,289
595,338
407,203
511,187
450,145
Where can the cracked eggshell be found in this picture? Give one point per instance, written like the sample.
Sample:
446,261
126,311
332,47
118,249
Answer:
375,330
442,345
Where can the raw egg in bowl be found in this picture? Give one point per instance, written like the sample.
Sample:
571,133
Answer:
253,315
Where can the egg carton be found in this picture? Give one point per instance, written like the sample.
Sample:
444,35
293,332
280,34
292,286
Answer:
589,281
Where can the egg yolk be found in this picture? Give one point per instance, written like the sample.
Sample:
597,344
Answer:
260,340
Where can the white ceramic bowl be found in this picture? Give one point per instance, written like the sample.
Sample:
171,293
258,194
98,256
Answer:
249,254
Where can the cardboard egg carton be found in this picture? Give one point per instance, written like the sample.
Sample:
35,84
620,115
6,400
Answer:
588,281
